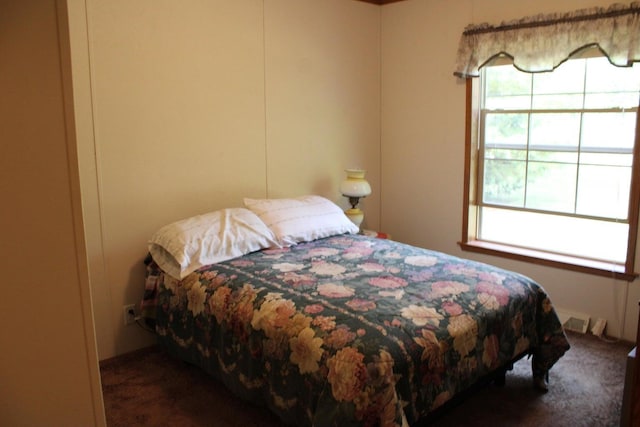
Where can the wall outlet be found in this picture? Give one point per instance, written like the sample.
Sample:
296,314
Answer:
129,314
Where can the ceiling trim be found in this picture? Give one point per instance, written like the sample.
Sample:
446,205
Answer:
380,2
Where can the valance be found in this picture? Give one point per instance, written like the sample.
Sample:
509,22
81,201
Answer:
543,42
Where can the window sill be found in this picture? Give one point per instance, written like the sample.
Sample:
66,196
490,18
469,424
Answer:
565,262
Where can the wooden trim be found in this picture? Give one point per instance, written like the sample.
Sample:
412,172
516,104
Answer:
634,200
380,2
467,161
548,259
471,173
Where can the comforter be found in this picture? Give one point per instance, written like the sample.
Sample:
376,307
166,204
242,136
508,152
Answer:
353,330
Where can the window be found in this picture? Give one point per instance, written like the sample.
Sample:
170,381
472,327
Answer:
550,165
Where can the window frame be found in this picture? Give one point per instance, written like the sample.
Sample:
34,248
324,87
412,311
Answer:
470,242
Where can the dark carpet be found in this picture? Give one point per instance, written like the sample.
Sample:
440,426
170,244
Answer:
149,388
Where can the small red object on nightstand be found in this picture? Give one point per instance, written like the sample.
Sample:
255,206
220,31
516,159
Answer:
376,234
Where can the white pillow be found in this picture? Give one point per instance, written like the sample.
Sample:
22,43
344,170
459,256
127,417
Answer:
302,219
186,245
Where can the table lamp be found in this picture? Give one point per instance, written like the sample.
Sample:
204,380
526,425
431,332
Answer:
354,187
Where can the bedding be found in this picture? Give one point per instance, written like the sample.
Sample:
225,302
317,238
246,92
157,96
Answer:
184,246
353,330
301,219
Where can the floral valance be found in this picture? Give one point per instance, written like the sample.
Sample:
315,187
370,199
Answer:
543,42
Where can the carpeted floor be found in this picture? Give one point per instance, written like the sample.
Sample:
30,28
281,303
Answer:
149,388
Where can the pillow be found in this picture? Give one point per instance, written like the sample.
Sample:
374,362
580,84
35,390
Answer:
186,245
302,219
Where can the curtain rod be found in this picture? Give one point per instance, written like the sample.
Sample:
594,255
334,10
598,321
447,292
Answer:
614,11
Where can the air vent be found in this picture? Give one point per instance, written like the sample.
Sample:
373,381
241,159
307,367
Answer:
572,321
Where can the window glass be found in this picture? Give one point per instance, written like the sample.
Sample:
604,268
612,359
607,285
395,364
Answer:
581,237
557,131
608,131
507,89
506,130
504,182
563,88
551,186
604,191
607,86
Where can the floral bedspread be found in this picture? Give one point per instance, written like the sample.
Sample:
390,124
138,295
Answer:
353,330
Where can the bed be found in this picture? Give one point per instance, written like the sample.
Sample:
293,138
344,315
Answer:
345,329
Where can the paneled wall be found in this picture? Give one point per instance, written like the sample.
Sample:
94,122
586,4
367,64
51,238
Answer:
187,107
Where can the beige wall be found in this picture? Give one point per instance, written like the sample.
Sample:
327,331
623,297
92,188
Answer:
48,363
423,145
322,76
187,107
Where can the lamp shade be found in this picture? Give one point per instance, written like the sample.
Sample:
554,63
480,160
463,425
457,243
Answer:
355,185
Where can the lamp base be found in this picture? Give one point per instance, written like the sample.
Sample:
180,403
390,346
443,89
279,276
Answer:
355,215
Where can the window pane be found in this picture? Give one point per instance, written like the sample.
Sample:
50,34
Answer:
554,156
567,78
557,102
503,80
606,159
588,238
505,129
504,182
611,86
507,88
608,131
604,191
508,103
551,186
497,153
611,100
555,130
562,88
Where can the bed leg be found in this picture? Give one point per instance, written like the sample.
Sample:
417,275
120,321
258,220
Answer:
541,382
500,378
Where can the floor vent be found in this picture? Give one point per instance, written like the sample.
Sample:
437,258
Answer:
572,321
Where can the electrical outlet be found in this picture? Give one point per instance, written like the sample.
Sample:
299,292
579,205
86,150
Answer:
129,314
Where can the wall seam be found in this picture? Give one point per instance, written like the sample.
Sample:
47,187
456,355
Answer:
264,94
380,119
